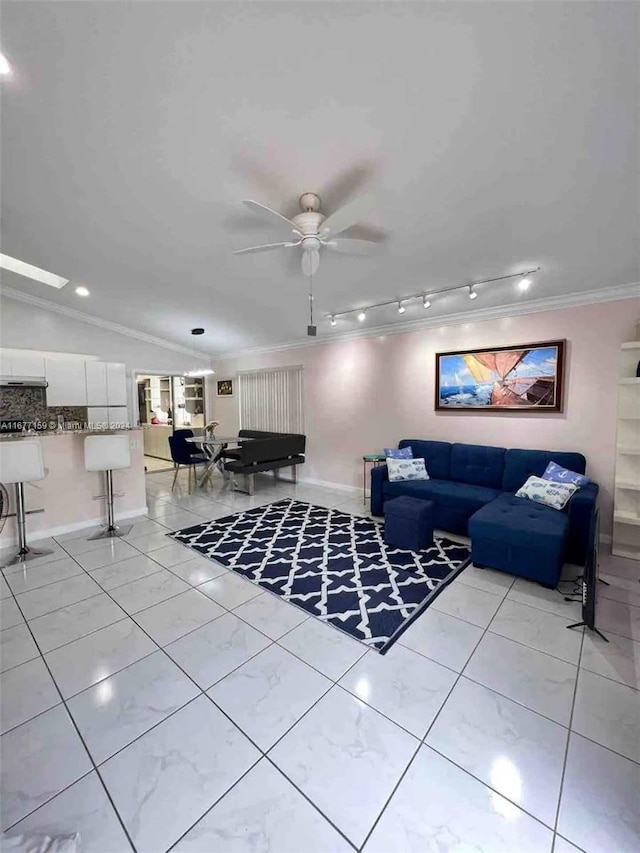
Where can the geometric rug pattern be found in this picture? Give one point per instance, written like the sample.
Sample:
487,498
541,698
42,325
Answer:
332,564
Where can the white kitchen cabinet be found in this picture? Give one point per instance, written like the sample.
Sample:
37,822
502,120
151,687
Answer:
5,364
97,417
96,376
67,382
27,364
116,384
118,417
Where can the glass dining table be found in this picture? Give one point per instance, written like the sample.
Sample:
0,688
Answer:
213,447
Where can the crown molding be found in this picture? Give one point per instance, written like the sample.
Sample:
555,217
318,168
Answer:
38,302
551,303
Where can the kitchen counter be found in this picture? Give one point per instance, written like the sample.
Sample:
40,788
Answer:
54,433
67,492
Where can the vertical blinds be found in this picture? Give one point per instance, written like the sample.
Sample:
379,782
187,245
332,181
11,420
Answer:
272,400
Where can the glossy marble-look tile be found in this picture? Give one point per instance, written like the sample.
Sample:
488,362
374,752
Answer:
442,638
150,542
213,651
177,616
113,551
39,759
263,813
468,603
324,647
198,570
5,589
45,599
148,591
26,690
609,713
539,629
403,685
625,590
538,681
346,758
600,806
560,845
551,600
618,618
119,709
9,614
172,554
439,808
83,808
497,583
618,659
178,519
89,660
268,694
80,542
164,782
70,623
28,578
57,553
16,646
144,527
126,571
230,590
271,615
515,751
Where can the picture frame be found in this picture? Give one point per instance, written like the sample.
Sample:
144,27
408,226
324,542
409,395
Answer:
224,387
518,378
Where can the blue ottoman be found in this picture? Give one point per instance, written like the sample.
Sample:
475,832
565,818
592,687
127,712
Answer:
408,523
520,537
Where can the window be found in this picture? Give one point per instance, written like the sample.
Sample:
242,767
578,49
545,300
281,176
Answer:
272,399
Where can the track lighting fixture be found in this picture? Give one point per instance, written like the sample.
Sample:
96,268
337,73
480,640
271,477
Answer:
524,283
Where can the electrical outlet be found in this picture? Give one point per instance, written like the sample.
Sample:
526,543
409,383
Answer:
134,444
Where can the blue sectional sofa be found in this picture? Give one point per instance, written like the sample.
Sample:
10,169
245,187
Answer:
467,478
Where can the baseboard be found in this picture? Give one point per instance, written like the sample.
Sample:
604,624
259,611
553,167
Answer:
335,487
71,528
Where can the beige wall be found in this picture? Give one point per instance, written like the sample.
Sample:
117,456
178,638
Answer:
365,394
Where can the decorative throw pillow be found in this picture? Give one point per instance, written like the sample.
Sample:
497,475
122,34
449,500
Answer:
557,474
398,453
547,492
406,469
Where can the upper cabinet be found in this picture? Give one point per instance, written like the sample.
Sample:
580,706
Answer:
116,385
67,384
96,374
23,364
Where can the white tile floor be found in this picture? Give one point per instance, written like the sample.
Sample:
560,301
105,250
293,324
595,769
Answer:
151,700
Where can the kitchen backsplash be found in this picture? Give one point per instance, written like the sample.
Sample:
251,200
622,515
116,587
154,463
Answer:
30,405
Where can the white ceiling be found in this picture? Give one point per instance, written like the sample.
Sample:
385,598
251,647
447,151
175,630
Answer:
492,136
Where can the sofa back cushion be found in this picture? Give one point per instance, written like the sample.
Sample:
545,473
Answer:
522,464
436,455
477,464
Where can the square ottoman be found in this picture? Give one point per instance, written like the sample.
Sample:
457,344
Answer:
520,537
408,523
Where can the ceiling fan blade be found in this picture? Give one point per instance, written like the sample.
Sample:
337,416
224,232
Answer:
267,213
310,262
266,248
351,247
348,215
347,184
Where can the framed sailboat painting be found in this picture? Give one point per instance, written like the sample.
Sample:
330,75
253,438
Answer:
526,377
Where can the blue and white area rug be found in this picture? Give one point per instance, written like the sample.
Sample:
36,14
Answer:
333,565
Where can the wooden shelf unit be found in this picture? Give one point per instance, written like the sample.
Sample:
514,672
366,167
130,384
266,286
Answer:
626,504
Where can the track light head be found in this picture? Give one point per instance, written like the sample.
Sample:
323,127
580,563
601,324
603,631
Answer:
333,320
401,308
472,292
426,302
524,283
362,316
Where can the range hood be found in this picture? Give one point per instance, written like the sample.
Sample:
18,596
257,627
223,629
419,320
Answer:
23,382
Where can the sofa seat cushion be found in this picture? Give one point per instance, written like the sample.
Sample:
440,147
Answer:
459,496
516,521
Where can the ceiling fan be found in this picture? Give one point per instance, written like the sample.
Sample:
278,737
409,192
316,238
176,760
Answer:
313,231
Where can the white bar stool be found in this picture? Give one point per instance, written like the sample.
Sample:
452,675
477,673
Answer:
108,453
20,463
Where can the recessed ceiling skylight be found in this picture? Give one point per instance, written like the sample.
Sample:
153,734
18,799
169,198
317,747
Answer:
29,271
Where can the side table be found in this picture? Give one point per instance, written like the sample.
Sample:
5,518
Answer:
375,459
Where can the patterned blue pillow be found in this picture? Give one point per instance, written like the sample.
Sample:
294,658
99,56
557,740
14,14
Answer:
397,453
547,492
406,469
557,474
